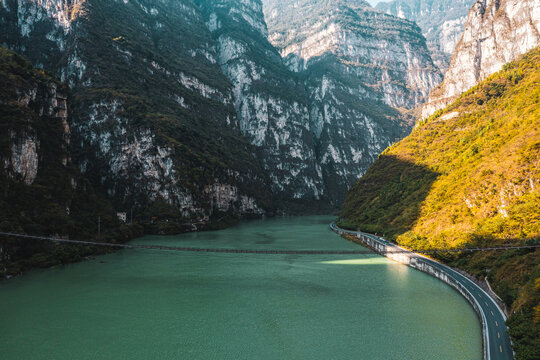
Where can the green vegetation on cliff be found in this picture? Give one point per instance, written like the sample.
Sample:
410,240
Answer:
470,176
41,192
152,117
148,84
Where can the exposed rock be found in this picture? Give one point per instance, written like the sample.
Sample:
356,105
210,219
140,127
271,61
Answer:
497,31
153,116
175,96
441,21
41,191
269,99
37,99
356,63
24,158
393,66
225,198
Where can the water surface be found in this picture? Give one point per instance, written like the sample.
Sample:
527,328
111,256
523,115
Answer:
147,304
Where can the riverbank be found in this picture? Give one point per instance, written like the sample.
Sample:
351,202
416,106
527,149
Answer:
496,341
483,284
18,255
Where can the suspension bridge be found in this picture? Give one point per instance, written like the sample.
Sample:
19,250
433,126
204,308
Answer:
255,251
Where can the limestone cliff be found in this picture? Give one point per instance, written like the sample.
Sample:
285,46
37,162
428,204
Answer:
41,191
357,64
194,107
497,31
269,99
29,101
441,21
153,116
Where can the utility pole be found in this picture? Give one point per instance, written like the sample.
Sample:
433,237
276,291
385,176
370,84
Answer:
131,217
99,228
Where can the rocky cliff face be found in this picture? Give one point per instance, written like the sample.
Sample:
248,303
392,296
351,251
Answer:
28,104
269,99
441,21
153,114
497,31
188,104
41,191
357,64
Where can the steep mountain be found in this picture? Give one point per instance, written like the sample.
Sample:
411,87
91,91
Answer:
185,111
269,99
441,21
497,31
41,192
470,176
358,65
153,118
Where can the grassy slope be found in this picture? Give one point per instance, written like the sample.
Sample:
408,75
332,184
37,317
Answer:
470,176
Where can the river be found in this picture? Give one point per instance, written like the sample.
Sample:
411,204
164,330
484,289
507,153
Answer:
149,304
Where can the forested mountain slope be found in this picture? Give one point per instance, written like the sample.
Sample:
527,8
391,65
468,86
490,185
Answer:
185,111
153,120
470,176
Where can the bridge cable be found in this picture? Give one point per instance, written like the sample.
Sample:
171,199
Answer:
255,251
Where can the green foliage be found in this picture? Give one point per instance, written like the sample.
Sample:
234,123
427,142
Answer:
139,64
60,201
470,180
398,198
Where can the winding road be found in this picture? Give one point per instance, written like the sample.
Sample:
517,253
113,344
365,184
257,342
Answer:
497,345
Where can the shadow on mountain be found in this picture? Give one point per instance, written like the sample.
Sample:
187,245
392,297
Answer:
387,200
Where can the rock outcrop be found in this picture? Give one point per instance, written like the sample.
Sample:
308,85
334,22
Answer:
497,31
177,101
358,64
41,191
153,116
38,101
441,21
269,99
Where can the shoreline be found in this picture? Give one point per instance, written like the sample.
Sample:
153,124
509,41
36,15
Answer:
451,277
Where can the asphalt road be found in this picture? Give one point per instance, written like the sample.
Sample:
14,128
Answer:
498,341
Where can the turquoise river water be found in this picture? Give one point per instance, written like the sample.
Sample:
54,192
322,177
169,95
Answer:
148,304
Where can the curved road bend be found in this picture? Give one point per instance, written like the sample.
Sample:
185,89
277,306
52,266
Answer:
499,346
